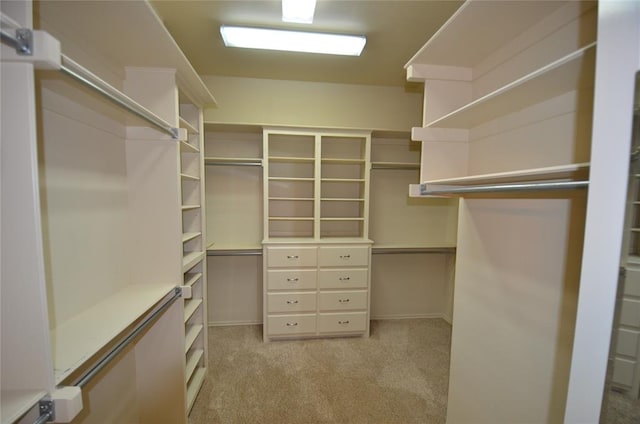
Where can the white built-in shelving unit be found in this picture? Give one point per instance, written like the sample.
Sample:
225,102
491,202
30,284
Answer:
100,208
510,103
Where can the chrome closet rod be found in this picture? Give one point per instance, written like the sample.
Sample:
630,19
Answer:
88,78
253,252
233,164
405,250
86,378
495,188
44,418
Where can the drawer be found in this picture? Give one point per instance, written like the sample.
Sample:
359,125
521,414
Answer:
343,300
343,256
291,257
342,323
295,279
343,278
290,325
291,302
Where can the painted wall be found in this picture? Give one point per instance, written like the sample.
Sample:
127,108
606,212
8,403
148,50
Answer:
310,104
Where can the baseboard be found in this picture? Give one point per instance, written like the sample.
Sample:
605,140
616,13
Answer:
410,316
231,323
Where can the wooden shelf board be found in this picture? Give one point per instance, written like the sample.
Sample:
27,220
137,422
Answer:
291,159
342,180
290,179
293,199
190,306
471,34
342,219
186,177
316,240
190,259
216,160
192,334
188,126
569,172
194,385
193,358
192,278
82,336
189,236
15,403
185,147
343,161
341,199
563,75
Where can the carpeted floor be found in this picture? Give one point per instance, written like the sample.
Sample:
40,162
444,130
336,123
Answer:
398,375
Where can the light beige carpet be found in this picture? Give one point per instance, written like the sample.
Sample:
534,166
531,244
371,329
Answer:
398,375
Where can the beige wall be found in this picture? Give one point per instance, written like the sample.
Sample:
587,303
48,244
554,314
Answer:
311,104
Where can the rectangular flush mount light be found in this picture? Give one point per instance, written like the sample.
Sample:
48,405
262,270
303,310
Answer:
294,41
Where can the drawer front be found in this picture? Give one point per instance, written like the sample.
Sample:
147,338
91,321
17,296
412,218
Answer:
343,278
342,323
291,302
291,325
344,256
291,257
295,279
344,300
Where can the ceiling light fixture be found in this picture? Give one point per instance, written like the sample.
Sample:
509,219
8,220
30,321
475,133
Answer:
294,41
299,11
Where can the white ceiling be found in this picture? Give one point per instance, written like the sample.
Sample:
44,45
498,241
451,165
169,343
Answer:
395,30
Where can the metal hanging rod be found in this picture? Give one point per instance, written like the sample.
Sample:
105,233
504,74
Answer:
405,250
235,252
407,166
88,78
222,163
497,188
86,378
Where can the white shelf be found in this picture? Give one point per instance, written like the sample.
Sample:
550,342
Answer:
290,159
192,334
215,160
295,199
190,236
185,147
564,75
561,172
190,306
193,358
395,165
77,339
342,180
192,278
188,126
471,34
290,218
186,177
194,386
190,259
342,219
290,179
15,403
341,199
343,161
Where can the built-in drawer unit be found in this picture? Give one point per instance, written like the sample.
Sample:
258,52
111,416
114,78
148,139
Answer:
291,257
291,302
347,322
316,289
343,300
330,256
354,278
291,325
292,279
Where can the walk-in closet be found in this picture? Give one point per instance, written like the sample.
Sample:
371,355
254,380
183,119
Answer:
440,226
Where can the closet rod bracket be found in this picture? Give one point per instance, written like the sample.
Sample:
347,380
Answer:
47,411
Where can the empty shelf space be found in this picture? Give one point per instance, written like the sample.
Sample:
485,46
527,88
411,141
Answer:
189,236
187,177
185,147
291,159
394,165
193,331
189,207
191,129
15,403
342,161
560,172
82,336
193,358
192,278
564,75
194,386
190,306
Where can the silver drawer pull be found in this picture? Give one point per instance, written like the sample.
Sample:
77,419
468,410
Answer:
292,256
292,324
345,256
343,322
292,302
343,300
344,278
293,280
